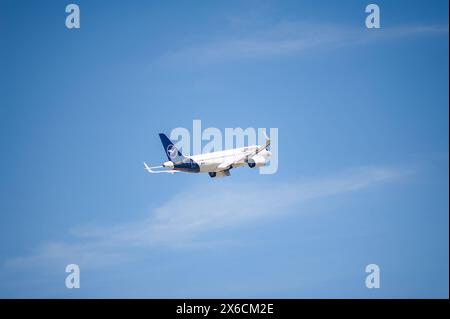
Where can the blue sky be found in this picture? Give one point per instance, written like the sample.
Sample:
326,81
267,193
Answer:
363,149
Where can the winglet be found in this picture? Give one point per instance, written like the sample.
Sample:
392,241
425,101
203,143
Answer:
267,142
265,135
150,170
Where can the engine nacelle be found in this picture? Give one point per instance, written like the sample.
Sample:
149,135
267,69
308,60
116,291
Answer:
256,161
219,174
168,164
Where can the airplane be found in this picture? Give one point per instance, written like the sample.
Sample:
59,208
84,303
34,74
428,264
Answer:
216,164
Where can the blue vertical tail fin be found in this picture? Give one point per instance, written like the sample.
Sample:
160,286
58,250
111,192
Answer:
172,152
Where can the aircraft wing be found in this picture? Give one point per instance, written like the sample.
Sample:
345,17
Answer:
153,171
227,165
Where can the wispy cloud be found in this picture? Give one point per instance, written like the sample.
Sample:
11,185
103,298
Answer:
289,38
181,220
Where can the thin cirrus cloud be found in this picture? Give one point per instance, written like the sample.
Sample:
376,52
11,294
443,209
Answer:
290,38
182,220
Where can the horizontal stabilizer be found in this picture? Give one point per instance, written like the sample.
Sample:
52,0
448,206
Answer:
159,169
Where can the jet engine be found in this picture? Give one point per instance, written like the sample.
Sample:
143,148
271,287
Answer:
168,164
256,161
219,174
